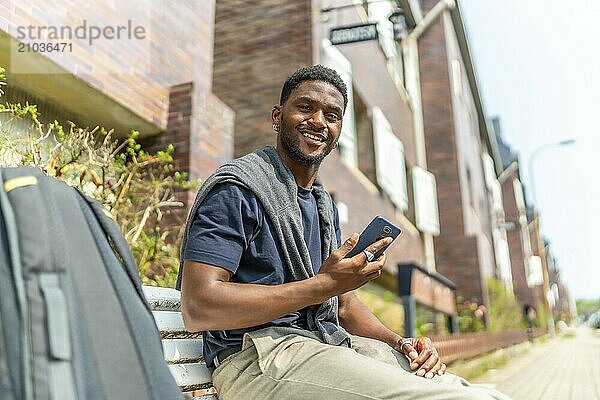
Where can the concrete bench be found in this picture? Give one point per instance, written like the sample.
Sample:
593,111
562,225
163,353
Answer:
183,350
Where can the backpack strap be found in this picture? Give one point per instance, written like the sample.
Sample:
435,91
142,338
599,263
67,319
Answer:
117,241
12,239
10,324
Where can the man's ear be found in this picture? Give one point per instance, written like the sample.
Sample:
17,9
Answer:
276,114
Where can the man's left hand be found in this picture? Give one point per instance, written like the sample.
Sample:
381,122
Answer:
423,356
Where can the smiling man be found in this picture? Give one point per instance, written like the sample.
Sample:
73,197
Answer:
264,276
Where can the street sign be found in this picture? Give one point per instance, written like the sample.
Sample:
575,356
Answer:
353,33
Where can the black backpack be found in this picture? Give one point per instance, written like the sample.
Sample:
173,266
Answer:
74,323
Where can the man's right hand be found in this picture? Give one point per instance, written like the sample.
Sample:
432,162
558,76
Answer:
346,274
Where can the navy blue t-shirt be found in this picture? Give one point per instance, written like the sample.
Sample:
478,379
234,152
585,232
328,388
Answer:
231,230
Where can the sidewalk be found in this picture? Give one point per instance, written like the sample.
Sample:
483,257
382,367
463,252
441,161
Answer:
560,369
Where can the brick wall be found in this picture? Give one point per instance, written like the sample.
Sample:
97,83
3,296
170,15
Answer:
200,127
257,46
178,126
212,137
137,74
166,79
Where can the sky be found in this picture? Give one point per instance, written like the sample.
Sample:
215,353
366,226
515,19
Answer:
538,67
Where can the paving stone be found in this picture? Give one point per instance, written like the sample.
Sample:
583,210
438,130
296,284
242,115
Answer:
563,368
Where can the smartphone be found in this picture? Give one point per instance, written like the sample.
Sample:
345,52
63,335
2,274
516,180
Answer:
377,229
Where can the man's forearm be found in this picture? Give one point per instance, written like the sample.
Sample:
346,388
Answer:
228,305
209,301
357,319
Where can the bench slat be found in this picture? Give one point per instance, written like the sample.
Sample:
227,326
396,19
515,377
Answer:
177,350
163,299
190,374
170,325
169,321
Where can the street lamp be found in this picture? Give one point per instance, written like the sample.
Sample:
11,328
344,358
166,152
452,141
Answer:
540,245
536,152
398,20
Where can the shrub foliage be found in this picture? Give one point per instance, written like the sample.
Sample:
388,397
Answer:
505,313
138,188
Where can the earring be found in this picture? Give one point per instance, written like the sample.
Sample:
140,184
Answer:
275,127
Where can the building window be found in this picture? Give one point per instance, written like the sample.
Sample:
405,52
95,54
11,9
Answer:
389,160
333,58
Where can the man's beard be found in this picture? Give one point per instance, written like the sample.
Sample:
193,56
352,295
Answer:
291,143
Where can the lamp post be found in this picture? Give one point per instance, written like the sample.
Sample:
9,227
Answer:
540,245
538,151
398,20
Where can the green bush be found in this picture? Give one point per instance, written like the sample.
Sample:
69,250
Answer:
504,312
470,315
136,187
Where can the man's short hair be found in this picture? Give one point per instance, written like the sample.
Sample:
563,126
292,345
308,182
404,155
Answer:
313,73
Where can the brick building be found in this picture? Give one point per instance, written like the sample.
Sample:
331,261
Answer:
159,82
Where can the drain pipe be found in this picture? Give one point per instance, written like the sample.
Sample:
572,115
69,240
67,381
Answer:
432,16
